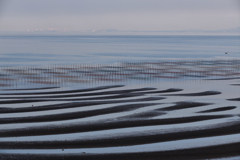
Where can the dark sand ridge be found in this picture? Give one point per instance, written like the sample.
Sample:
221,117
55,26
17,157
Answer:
79,99
86,90
235,84
146,114
99,93
89,98
234,99
71,104
228,78
48,107
218,109
24,89
183,105
206,93
163,91
67,91
104,125
128,140
75,115
84,114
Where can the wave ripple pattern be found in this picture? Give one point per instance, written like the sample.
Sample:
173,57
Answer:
122,122
62,75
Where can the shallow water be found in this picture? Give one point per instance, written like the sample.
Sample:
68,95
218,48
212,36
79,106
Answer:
42,51
28,50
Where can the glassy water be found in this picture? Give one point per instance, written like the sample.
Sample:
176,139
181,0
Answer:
25,50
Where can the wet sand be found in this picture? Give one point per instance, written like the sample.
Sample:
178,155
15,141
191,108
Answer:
114,116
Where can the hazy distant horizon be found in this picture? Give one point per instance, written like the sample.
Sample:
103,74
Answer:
59,31
123,15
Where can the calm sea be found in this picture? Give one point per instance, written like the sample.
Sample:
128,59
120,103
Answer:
58,49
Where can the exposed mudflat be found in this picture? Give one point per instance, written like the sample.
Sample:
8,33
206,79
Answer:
175,120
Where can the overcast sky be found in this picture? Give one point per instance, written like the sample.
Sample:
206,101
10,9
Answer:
21,15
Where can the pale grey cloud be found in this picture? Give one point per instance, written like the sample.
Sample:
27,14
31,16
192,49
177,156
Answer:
120,14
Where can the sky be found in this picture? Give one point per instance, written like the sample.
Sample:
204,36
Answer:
150,15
